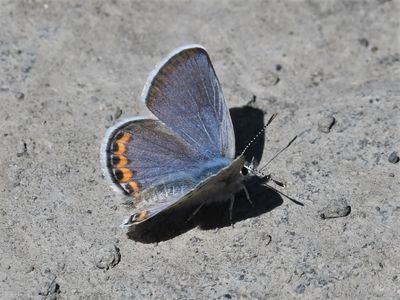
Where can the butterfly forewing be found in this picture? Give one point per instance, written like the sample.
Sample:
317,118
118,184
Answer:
185,94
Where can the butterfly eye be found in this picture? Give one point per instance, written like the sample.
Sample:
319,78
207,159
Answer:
244,171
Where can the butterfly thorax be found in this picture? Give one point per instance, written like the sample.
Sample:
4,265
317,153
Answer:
225,183
211,167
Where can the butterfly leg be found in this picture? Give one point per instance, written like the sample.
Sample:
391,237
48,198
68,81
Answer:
279,192
194,213
247,195
232,199
279,183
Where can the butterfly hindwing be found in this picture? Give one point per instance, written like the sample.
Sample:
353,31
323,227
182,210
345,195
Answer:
212,189
144,157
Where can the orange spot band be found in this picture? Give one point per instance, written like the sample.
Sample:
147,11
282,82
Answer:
121,143
122,161
121,148
134,186
141,215
124,138
126,175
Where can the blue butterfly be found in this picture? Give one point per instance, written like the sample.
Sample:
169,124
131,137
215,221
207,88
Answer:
186,153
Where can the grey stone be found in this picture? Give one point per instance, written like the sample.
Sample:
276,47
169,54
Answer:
394,158
325,124
108,257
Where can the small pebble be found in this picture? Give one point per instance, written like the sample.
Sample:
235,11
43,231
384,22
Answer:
300,289
118,113
94,99
27,68
19,96
54,287
252,101
322,282
363,42
50,290
269,79
394,158
278,67
22,148
317,78
30,269
325,124
338,212
108,257
389,60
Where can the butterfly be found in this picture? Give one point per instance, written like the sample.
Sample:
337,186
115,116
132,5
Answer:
185,154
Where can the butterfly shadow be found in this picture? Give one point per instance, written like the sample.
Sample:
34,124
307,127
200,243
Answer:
247,122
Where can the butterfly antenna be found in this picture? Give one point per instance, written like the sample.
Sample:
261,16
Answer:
276,155
259,133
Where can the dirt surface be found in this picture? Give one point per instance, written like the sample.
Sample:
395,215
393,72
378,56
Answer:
330,69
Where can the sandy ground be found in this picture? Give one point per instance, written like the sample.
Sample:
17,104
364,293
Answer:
70,69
